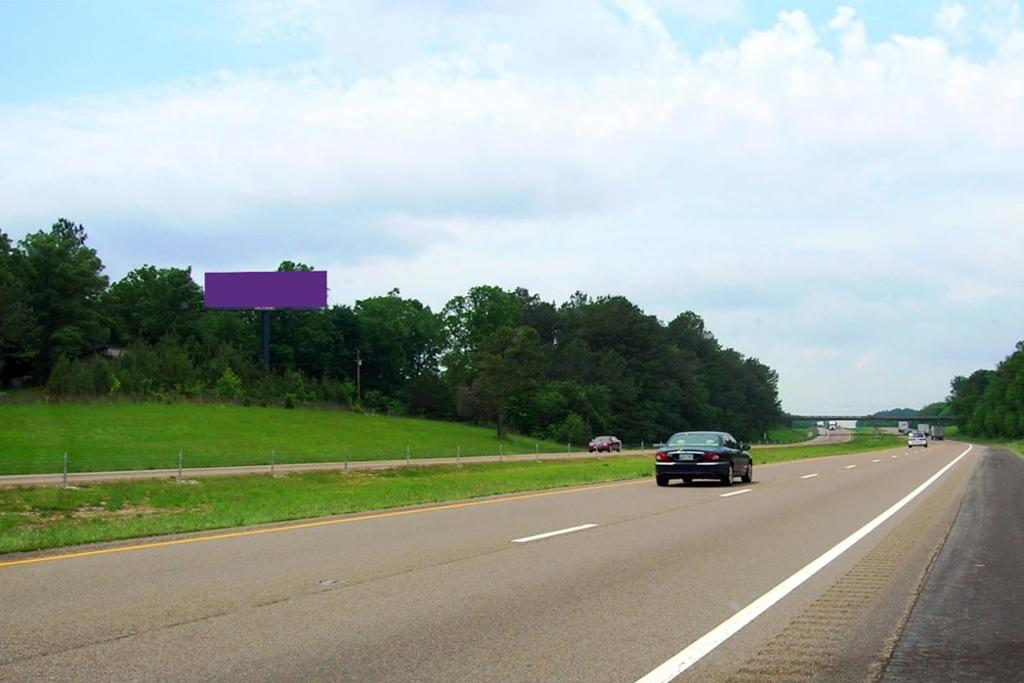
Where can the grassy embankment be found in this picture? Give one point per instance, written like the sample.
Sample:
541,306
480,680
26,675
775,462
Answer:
789,434
1014,445
39,518
125,436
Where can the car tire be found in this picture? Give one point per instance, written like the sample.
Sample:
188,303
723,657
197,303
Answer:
926,445
727,479
661,481
748,476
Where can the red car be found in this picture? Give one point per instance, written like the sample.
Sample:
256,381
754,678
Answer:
605,443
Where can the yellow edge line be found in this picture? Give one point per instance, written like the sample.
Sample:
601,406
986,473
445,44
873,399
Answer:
309,525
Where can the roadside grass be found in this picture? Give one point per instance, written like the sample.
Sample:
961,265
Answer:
38,518
1017,446
789,435
41,518
858,444
121,435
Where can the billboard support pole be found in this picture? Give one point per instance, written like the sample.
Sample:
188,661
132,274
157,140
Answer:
265,338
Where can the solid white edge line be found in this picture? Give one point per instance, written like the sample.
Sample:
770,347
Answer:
808,476
527,539
718,635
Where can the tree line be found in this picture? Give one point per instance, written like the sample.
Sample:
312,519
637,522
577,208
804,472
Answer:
490,356
990,403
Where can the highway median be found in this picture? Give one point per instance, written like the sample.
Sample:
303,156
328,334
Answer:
42,518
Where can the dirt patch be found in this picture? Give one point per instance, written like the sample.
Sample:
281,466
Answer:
100,511
34,520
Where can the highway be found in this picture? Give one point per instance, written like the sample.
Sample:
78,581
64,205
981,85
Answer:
603,583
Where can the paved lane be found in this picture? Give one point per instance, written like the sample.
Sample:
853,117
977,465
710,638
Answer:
444,594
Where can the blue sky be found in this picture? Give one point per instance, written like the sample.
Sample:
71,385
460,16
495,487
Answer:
833,186
61,49
65,49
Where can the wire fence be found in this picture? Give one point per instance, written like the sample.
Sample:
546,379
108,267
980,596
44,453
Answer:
177,462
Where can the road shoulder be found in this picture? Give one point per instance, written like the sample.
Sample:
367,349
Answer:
968,622
847,632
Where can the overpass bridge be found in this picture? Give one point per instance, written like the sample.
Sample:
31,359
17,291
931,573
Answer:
928,419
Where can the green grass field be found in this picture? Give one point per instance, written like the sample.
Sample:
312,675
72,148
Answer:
121,435
789,435
39,518
859,444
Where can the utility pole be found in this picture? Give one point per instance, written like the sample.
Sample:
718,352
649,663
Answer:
359,377
265,337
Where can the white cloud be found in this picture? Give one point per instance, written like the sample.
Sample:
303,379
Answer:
818,207
950,20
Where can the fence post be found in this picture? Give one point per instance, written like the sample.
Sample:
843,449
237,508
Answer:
179,466
536,451
273,457
64,483
501,455
568,448
346,466
641,448
407,454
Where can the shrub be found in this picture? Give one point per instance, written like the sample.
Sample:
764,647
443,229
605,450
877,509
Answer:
229,386
571,429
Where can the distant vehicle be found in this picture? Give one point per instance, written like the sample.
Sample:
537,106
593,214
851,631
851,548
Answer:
820,423
605,443
703,455
904,426
833,425
923,428
917,439
938,433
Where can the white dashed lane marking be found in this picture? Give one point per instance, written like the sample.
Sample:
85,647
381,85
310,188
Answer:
527,539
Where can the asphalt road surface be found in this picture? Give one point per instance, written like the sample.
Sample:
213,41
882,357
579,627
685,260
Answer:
968,623
58,479
486,590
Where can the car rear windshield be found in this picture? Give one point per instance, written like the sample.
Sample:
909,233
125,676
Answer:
695,439
602,438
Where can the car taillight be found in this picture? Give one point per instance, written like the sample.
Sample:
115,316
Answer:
710,457
662,456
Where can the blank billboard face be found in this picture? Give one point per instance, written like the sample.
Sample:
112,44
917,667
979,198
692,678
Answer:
293,289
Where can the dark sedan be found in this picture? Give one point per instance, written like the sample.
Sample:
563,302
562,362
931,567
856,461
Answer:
703,455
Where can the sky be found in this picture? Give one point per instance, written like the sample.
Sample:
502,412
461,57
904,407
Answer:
835,188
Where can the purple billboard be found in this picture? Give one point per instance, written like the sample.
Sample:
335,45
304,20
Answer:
290,289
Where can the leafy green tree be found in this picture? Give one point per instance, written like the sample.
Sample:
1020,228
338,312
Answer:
19,333
470,319
967,393
399,340
149,303
510,361
991,402
63,279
